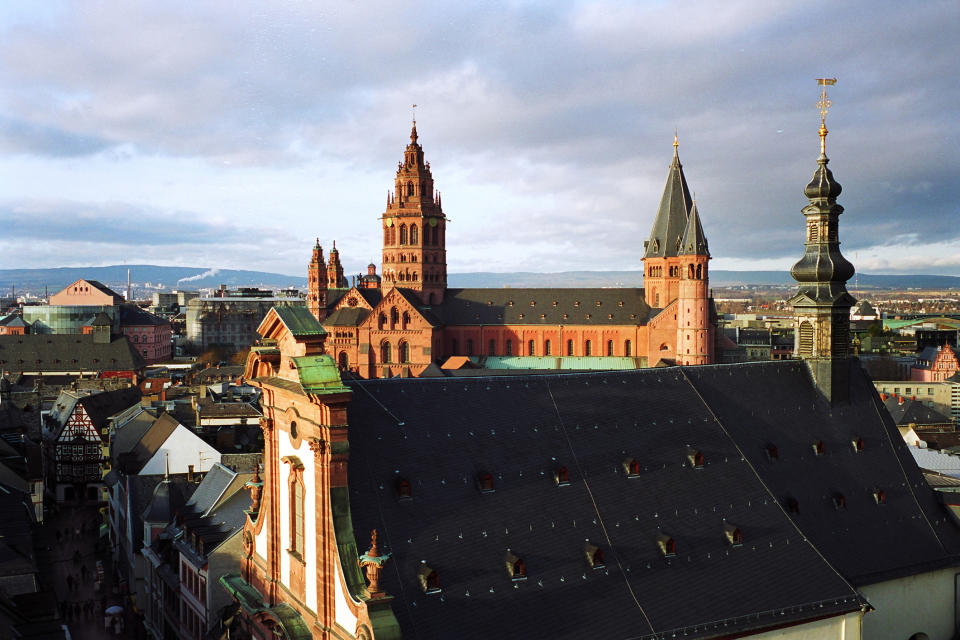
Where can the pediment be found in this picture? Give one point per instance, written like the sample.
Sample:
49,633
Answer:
352,299
395,299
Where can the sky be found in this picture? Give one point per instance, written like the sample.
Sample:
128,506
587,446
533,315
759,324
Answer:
231,134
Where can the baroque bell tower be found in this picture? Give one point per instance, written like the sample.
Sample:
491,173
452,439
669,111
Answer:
822,304
414,229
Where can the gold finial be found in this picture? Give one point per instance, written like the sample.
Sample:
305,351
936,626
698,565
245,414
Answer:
676,143
414,110
823,105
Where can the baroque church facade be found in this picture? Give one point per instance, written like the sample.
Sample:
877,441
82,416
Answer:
407,319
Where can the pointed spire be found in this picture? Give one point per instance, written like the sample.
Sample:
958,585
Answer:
672,215
166,473
413,133
694,241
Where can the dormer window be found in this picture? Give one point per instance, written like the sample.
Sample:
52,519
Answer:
576,304
485,482
879,496
695,458
594,555
631,468
839,501
516,567
668,546
561,477
818,448
772,453
857,444
510,303
404,491
554,303
620,303
733,534
428,579
533,303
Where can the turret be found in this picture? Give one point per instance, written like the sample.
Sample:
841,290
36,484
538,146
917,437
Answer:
335,277
317,283
695,332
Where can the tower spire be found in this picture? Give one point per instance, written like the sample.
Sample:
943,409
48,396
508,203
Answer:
822,303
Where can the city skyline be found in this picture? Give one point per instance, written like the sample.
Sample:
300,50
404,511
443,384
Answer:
232,135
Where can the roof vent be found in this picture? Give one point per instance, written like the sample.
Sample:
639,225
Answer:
516,567
857,444
403,489
668,546
818,448
839,501
772,453
561,477
428,578
594,555
695,458
485,483
879,496
733,534
631,468
792,505
533,303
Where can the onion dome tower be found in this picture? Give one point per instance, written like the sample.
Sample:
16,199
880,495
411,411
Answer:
822,303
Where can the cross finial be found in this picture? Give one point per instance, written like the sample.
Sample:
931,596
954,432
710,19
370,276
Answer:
824,105
676,142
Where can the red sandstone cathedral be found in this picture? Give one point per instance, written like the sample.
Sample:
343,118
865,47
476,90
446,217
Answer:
409,320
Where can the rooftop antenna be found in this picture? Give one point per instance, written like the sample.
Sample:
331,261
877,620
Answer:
824,105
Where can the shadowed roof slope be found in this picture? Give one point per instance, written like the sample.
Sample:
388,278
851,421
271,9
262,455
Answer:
714,446
543,306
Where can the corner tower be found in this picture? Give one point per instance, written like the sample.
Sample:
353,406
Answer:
414,229
661,266
317,284
695,333
822,304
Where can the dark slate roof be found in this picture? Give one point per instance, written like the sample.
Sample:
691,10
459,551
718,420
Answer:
58,352
372,296
905,411
14,320
207,408
133,316
493,306
101,406
104,289
671,221
148,445
205,376
211,488
99,320
694,242
141,493
299,321
127,436
521,429
347,317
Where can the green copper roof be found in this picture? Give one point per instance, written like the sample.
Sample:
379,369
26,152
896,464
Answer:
299,321
247,596
319,374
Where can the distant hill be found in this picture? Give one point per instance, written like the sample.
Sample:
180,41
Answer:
203,277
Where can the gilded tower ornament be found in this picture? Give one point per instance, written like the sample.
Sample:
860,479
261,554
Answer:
824,105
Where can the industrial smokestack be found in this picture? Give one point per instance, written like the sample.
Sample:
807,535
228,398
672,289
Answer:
128,285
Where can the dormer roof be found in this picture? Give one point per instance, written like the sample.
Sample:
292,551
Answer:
694,242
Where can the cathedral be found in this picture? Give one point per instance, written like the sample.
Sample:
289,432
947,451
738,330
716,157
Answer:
401,323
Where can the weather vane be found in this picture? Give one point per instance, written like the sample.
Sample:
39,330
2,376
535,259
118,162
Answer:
824,105
415,112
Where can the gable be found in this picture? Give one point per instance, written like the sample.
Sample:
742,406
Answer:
184,448
355,299
393,310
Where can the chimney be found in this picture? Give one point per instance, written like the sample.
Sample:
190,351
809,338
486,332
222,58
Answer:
189,473
914,398
883,397
163,395
900,400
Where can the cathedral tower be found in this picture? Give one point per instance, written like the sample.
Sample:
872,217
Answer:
414,229
317,284
661,273
335,277
822,304
695,333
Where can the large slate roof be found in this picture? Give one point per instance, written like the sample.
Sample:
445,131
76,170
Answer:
907,411
347,317
441,434
133,316
53,353
101,406
549,306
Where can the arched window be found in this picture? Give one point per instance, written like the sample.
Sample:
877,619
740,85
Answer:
627,350
405,319
609,347
531,348
690,272
509,348
410,189
413,276
404,349
386,235
699,272
296,510
394,315
135,338
546,348
385,355
414,234
393,235
587,348
569,347
403,234
492,348
343,361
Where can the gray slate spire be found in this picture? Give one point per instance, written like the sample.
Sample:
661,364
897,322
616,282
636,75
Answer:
671,221
694,242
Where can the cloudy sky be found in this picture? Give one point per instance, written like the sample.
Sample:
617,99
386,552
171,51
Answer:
230,134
